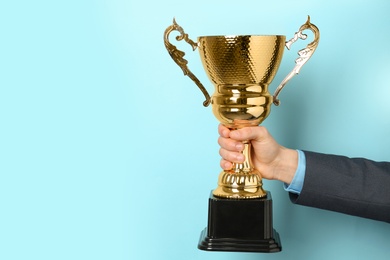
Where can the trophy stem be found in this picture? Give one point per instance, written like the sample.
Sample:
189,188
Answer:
242,181
246,166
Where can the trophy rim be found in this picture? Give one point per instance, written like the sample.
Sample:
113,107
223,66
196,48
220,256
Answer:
242,36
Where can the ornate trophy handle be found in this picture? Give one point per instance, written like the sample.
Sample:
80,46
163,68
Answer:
304,54
178,56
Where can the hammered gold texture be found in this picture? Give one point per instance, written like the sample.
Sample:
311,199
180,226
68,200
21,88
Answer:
251,59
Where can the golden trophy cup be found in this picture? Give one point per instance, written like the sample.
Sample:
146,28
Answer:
241,67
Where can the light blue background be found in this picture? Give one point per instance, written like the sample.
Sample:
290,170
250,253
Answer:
107,153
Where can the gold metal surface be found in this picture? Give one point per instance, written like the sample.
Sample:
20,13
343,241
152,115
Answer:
178,56
241,67
304,54
242,182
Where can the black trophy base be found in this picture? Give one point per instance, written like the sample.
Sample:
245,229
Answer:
240,226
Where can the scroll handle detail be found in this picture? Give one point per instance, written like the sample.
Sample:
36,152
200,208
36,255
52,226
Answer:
178,56
304,54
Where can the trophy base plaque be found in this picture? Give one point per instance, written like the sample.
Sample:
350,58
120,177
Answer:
240,226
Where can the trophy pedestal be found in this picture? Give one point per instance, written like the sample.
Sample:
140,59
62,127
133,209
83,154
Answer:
240,225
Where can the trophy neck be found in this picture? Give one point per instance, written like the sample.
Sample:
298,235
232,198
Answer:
238,106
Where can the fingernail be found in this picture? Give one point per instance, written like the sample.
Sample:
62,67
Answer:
227,166
225,133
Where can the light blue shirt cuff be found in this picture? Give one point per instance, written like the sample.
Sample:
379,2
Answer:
297,182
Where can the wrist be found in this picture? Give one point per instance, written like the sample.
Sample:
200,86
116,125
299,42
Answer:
287,166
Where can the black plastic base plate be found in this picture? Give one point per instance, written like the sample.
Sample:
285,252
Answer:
240,225
271,245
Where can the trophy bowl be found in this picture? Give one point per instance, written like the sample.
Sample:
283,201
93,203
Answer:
241,68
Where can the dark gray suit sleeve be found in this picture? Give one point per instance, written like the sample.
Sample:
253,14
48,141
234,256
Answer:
353,186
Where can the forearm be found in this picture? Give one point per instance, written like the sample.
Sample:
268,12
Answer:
353,186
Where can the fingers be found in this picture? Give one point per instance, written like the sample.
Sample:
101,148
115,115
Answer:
230,150
223,131
247,133
231,156
257,133
230,144
226,165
